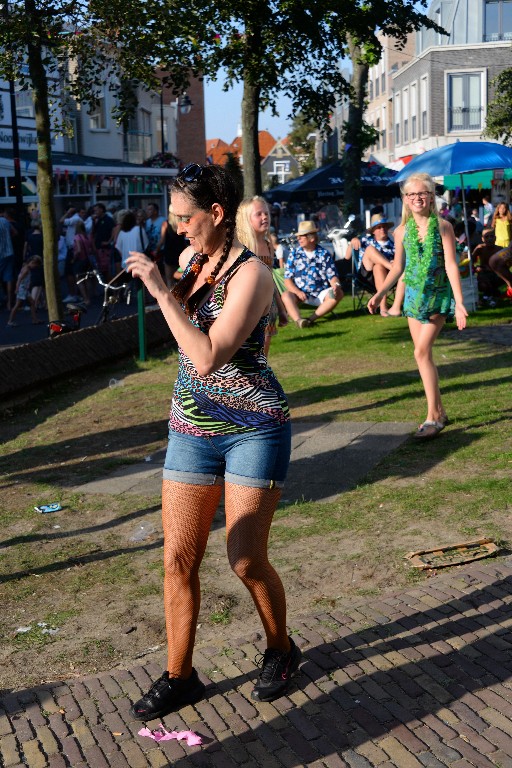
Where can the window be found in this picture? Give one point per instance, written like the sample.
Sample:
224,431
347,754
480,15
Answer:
498,20
24,103
405,110
139,137
98,115
398,118
383,82
439,21
384,129
281,170
377,84
465,111
424,106
377,126
371,90
414,107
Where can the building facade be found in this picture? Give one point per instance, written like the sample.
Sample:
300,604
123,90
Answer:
101,160
439,86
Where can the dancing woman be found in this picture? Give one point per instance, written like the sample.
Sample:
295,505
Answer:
229,427
425,249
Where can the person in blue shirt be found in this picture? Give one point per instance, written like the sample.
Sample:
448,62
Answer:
154,227
310,277
375,252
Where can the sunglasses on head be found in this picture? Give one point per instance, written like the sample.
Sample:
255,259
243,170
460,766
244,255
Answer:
191,172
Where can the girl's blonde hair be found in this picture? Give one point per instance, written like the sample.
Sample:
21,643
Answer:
244,231
508,215
429,182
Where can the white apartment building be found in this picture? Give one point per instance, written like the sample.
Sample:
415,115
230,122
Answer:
439,86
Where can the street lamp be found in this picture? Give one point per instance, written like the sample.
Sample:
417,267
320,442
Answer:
185,104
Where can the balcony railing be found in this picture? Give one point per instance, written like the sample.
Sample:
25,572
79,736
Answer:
465,118
495,37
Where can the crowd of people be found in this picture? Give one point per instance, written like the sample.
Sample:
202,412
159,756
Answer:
95,238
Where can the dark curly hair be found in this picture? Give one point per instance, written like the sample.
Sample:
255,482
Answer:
210,184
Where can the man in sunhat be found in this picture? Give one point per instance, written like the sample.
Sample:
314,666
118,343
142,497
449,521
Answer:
376,251
310,277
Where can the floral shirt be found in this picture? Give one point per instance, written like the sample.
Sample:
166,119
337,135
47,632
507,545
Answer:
310,271
387,248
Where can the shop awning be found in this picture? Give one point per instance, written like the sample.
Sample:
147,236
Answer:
81,164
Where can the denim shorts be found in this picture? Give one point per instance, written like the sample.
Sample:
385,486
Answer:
256,459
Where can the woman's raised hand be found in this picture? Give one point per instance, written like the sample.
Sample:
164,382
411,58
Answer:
139,265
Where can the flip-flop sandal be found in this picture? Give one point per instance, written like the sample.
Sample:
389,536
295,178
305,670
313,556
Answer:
428,430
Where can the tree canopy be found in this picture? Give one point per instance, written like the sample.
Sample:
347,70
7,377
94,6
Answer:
66,52
499,110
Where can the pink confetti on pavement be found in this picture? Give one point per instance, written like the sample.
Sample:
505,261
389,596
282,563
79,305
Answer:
160,734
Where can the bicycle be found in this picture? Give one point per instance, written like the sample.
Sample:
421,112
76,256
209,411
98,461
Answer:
113,295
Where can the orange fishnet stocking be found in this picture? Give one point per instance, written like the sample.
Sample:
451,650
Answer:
249,513
187,514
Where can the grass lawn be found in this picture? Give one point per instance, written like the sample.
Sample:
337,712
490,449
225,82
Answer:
82,573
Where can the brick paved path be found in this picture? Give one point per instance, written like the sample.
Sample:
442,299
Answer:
420,678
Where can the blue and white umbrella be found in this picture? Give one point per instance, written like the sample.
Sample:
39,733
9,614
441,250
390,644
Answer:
461,157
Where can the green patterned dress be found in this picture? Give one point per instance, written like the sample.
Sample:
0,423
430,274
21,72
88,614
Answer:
427,288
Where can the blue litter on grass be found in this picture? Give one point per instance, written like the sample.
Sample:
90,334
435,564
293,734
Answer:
45,508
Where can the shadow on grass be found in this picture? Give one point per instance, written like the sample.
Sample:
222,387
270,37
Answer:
70,562
41,463
386,380
50,536
36,407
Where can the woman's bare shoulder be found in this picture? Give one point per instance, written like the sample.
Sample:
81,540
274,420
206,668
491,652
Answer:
185,256
445,227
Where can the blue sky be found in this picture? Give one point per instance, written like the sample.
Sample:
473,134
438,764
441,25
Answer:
224,112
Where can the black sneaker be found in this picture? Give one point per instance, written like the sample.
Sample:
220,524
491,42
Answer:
277,669
167,694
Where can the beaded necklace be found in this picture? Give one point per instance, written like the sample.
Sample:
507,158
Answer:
420,255
197,267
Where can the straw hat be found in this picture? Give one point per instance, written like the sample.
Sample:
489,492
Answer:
307,228
379,221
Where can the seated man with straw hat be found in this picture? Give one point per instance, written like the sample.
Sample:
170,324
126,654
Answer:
376,251
310,277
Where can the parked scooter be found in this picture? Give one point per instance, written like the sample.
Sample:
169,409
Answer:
340,238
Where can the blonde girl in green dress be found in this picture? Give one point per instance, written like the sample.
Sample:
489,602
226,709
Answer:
425,251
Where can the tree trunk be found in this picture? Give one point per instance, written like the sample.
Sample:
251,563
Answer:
45,176
250,114
250,145
353,151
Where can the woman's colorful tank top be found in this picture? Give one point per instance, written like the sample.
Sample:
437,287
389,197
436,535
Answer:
244,395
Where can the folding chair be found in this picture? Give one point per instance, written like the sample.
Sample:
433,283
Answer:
360,286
